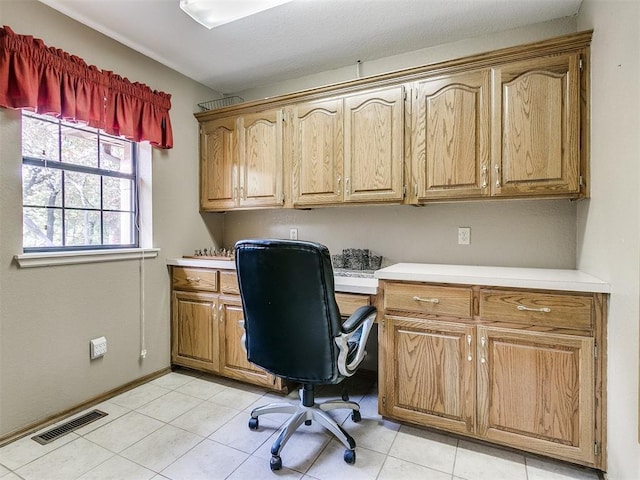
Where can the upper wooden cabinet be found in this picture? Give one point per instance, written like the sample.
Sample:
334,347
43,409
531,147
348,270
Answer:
505,124
242,161
349,149
537,127
261,159
219,164
374,146
318,152
451,136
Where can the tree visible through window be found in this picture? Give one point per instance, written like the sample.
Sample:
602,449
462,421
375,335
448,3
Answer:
78,187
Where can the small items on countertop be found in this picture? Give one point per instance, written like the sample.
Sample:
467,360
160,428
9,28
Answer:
356,259
220,254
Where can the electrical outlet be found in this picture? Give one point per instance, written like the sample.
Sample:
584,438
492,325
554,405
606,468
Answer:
293,234
98,347
464,235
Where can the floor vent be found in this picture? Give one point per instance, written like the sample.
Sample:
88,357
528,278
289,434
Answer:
68,427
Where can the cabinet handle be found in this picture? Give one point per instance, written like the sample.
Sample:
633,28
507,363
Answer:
522,308
484,175
339,181
497,167
469,357
415,189
193,279
483,344
346,186
243,195
235,193
426,300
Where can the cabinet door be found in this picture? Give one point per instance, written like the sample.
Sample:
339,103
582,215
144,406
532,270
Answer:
194,330
429,373
536,391
233,357
317,134
537,127
261,159
218,164
374,146
451,136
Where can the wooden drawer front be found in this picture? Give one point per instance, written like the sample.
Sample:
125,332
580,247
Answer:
349,303
185,278
430,299
536,308
229,282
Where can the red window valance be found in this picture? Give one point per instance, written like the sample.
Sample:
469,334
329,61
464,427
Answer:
51,81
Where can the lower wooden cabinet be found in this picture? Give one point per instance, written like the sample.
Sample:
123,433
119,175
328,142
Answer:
207,326
194,330
527,375
536,391
428,378
233,358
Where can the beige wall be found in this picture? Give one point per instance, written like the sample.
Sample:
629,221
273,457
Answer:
609,223
538,233
48,315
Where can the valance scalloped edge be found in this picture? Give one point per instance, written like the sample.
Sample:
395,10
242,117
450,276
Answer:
51,81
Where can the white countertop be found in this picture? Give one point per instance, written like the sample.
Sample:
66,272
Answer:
541,278
346,284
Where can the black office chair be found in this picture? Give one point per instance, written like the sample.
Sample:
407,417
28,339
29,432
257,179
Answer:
293,329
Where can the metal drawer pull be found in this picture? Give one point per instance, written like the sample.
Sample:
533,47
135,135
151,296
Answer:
483,343
193,279
427,300
469,357
522,308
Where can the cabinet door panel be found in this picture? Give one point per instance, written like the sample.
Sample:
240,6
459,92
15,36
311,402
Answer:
539,127
318,152
429,373
536,391
261,159
233,357
218,164
374,146
195,330
451,136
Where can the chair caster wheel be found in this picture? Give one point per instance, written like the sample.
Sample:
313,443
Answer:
355,416
276,462
345,397
307,422
350,456
253,423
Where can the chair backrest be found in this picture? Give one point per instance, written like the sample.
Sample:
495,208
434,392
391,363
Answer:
290,311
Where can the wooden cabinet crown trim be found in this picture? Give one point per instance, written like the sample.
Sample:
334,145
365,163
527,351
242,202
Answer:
563,44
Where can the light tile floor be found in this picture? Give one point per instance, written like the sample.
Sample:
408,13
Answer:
184,426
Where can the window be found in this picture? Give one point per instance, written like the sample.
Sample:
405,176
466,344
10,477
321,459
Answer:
79,187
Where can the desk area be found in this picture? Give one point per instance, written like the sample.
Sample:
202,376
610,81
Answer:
512,356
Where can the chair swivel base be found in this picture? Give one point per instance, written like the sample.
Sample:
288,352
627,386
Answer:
306,414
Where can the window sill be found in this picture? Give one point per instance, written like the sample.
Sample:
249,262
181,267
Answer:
49,259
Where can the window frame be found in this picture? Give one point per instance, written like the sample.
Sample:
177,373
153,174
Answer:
59,164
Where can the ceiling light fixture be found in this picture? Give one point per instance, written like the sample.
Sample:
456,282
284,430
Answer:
212,13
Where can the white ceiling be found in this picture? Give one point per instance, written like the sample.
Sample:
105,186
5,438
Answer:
302,37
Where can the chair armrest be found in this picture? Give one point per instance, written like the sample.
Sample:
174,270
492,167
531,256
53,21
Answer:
357,318
357,326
